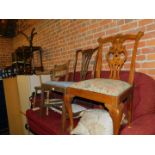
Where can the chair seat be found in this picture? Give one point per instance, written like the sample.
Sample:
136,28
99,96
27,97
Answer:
103,86
59,83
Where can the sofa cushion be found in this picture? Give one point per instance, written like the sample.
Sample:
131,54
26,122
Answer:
94,122
43,124
143,125
103,86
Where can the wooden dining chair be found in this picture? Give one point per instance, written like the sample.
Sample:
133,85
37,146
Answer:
111,92
87,57
57,72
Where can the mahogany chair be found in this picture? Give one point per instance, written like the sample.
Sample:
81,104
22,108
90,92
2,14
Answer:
87,58
111,92
61,86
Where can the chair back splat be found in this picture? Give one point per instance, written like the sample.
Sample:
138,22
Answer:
117,54
60,71
86,57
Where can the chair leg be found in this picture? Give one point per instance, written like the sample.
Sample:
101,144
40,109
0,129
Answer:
48,95
116,115
129,109
63,117
34,100
67,103
42,101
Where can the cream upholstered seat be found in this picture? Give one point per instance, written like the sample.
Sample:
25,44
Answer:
63,84
103,86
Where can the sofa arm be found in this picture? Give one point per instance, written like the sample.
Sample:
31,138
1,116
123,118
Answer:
144,125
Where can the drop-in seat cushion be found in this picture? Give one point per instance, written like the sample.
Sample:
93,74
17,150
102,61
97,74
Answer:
103,86
59,83
94,122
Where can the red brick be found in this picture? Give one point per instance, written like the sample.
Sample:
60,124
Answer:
128,20
121,22
127,66
140,57
148,64
150,42
150,27
105,22
99,35
151,56
148,50
151,71
149,35
6,49
128,26
145,22
112,31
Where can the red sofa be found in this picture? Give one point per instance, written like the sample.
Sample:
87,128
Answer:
143,118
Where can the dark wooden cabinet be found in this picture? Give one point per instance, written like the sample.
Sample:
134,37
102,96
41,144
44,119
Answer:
4,129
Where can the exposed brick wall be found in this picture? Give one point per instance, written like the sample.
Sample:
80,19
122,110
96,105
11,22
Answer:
61,38
5,51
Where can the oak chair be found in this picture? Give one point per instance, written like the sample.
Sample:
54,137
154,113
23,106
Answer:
111,92
57,72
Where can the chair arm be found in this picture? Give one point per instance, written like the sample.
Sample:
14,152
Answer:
143,125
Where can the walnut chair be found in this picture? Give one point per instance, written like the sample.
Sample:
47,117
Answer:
111,92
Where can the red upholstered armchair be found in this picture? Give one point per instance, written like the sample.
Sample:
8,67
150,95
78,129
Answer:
143,118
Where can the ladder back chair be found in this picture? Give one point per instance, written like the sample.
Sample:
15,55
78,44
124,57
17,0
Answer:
111,92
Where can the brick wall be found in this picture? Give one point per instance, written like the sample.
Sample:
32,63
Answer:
5,51
61,38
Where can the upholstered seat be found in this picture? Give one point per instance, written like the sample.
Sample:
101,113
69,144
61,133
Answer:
59,83
103,86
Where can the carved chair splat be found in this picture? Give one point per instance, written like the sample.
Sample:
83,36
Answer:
86,57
